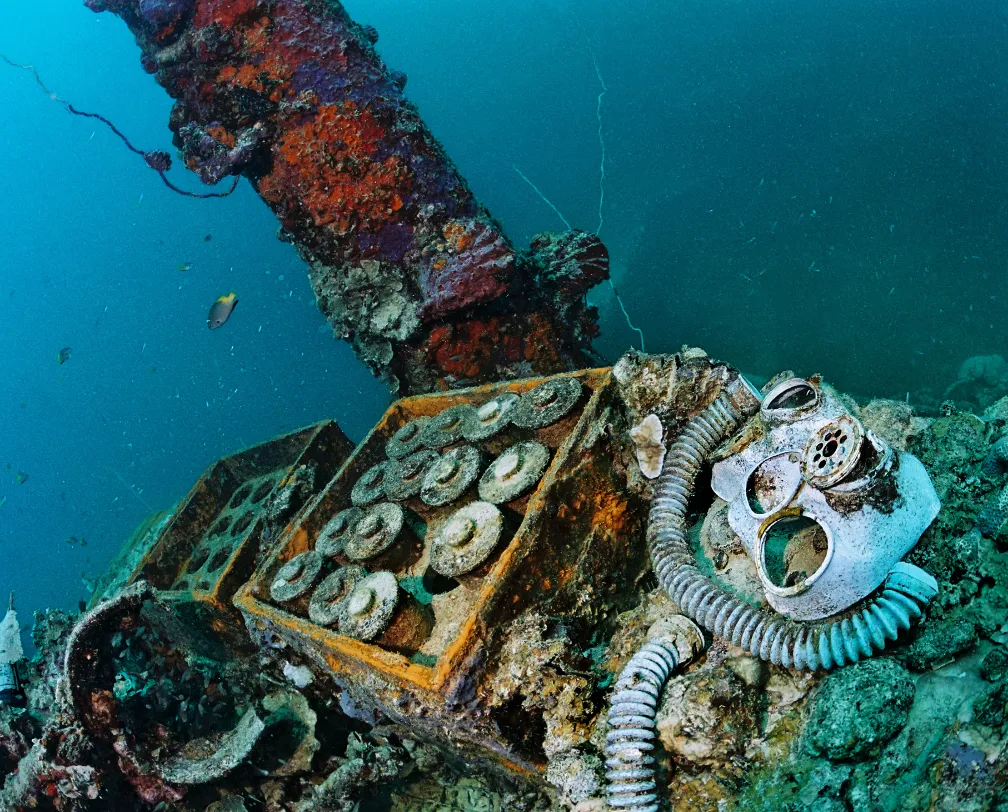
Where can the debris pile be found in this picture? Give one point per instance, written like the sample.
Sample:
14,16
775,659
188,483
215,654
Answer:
494,692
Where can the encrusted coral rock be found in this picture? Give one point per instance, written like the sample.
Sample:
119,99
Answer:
577,776
892,420
859,708
939,641
647,437
708,715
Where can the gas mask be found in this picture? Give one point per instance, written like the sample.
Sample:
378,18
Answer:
824,508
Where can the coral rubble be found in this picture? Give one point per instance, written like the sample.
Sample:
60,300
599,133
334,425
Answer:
158,698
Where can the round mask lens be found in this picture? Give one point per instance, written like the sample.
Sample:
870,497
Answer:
789,398
793,551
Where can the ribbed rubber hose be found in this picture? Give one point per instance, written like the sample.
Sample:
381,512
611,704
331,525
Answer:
822,644
631,727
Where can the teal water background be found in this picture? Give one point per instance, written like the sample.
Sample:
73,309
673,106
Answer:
822,187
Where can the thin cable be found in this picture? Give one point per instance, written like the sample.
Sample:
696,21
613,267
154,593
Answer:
157,160
542,197
601,138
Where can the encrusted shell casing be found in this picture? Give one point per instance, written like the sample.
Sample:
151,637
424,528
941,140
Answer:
490,418
323,609
366,611
450,477
547,403
371,485
445,427
377,529
296,577
333,536
514,472
466,539
406,440
406,475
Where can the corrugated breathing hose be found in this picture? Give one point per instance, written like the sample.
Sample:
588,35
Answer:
822,644
631,731
825,644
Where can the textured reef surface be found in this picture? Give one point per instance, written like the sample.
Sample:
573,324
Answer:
404,261
146,701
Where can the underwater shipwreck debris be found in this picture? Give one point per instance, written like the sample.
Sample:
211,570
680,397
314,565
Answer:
404,261
520,638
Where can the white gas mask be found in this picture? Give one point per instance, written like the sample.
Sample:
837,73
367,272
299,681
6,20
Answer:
824,508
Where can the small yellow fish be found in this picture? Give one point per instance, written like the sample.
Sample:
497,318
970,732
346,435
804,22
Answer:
185,266
220,310
21,477
63,355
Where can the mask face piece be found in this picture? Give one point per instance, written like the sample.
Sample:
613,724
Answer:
824,508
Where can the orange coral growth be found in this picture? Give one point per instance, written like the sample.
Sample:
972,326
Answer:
540,344
474,348
328,163
221,135
458,235
256,36
468,350
262,78
224,13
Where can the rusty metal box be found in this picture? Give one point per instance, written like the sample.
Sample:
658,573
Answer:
565,547
210,544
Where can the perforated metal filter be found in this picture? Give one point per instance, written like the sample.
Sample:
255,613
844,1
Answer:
451,475
445,428
467,539
406,440
405,477
371,486
491,418
377,529
514,472
323,608
833,452
297,576
366,611
333,537
547,403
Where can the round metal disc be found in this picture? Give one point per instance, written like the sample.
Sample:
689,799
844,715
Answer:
296,576
406,440
445,428
367,610
371,486
407,474
376,530
547,403
490,418
332,538
514,472
466,540
833,452
323,609
450,476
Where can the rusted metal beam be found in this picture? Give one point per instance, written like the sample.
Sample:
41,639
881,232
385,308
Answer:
404,261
